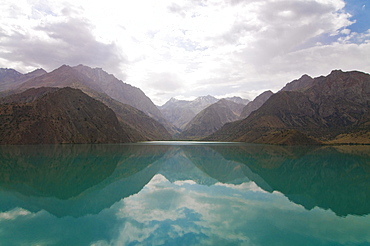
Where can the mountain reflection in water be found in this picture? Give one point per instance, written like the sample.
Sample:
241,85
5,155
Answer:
164,188
76,179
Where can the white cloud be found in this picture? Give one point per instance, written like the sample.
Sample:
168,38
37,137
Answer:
184,48
51,35
14,214
165,211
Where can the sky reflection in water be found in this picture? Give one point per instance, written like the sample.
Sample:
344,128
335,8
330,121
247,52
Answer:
184,195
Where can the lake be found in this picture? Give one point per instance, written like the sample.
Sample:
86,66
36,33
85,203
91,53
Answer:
184,193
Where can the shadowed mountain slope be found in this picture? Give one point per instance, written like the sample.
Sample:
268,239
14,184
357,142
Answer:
334,108
95,83
59,116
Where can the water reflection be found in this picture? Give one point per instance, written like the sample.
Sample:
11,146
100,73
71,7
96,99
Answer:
336,178
188,194
74,179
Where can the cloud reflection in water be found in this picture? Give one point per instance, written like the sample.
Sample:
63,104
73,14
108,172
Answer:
215,208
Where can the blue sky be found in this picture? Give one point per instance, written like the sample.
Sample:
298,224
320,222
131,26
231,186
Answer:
360,10
189,48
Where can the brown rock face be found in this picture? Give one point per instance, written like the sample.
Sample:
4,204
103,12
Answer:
329,106
97,84
59,116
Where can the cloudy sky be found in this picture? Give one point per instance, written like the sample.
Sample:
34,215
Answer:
189,48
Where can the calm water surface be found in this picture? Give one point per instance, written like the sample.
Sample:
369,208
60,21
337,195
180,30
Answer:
181,193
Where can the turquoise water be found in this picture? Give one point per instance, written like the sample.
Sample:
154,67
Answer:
184,193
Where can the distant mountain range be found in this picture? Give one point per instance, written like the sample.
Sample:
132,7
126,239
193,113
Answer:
326,110
181,112
331,109
10,79
211,119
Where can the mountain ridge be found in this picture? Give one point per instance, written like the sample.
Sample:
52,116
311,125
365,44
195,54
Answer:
330,108
66,76
181,112
10,78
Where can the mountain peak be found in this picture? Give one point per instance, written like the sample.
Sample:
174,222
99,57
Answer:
82,66
64,66
239,100
8,70
173,100
206,99
336,71
302,83
305,76
37,72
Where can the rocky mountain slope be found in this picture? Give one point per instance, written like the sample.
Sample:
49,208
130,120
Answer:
211,119
255,104
88,79
331,109
95,86
10,79
300,84
66,115
122,92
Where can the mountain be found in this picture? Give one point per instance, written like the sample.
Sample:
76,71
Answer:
147,127
211,119
255,104
88,80
238,100
333,109
7,77
64,76
74,180
122,92
11,79
95,85
329,177
300,84
180,112
63,115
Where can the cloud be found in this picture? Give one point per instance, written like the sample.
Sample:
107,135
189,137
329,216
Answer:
225,47
187,213
184,212
13,214
184,48
50,41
